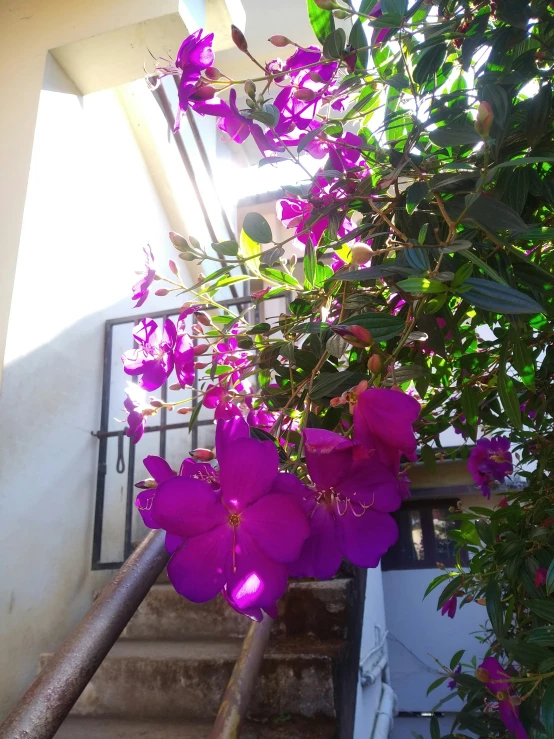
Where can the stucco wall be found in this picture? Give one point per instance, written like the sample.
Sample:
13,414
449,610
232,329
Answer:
90,208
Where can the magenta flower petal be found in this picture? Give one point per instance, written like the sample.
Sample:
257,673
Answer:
172,543
144,502
321,556
197,570
509,715
184,360
364,539
255,614
370,483
256,580
498,679
247,471
278,525
229,431
287,483
328,456
158,468
387,415
187,507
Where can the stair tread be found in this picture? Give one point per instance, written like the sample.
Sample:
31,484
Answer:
218,649
110,728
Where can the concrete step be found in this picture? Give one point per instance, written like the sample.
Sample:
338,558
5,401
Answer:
315,609
90,728
174,680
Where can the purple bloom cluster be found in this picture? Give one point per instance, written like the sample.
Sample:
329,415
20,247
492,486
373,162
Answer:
490,460
449,608
499,683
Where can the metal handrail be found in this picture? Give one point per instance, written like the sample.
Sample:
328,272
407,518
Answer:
238,693
45,705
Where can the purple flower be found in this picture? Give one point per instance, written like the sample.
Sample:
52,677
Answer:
160,471
154,358
348,508
135,417
540,576
241,537
490,460
380,34
499,683
238,127
256,614
194,56
451,684
449,608
184,360
140,289
216,398
383,420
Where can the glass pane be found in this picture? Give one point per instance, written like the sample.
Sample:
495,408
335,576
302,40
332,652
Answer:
409,549
417,536
445,547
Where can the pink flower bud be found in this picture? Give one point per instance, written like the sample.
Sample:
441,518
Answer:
202,455
375,364
203,318
162,292
178,241
356,335
184,411
200,349
279,41
239,39
213,73
305,94
327,4
175,386
201,365
197,330
484,120
156,403
173,267
315,76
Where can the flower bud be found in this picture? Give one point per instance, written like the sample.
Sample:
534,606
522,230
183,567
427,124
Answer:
279,41
173,267
197,330
327,4
484,120
375,364
361,254
356,335
178,241
201,276
175,386
315,76
201,365
200,349
293,261
305,94
250,89
202,318
213,73
162,292
335,402
155,403
202,455
184,411
239,39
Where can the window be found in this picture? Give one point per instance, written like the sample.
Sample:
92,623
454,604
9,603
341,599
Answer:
423,536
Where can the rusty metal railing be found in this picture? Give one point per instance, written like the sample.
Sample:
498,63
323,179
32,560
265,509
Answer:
43,708
241,684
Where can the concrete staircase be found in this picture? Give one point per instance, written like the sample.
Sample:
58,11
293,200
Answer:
165,677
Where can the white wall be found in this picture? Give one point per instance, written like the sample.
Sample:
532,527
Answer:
90,208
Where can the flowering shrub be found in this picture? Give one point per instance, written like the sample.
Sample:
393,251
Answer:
422,301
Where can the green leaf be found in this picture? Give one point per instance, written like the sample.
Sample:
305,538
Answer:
257,228
428,458
542,608
415,194
387,20
278,276
497,298
225,281
382,326
395,7
310,265
367,6
514,12
455,661
422,285
437,683
524,363
525,653
332,384
547,710
333,47
194,416
494,607
250,250
538,115
491,214
321,21
470,404
462,274
509,398
550,579
227,248
447,136
429,63
435,728
357,40
435,584
453,586
543,635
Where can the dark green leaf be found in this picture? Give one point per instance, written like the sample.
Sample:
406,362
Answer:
524,652
429,63
415,194
550,579
547,710
395,7
454,136
332,384
435,684
257,228
538,116
228,248
422,285
470,404
310,265
382,326
455,661
509,398
435,583
333,47
435,728
321,21
524,363
462,274
453,586
428,458
514,12
497,298
494,215
357,40
542,608
494,607
544,636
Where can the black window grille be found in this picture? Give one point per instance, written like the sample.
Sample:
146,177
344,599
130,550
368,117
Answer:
116,523
423,536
